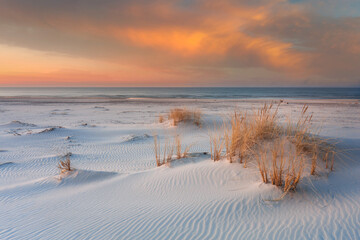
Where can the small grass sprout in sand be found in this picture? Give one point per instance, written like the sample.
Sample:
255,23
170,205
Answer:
65,165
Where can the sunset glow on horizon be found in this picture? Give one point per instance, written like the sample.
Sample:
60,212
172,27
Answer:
179,43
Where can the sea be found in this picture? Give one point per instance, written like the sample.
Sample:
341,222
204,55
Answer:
187,93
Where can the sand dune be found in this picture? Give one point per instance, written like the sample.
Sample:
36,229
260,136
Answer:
117,192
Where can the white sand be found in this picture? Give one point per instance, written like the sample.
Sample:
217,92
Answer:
117,192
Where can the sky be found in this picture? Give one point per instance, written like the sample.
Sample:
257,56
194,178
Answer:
203,43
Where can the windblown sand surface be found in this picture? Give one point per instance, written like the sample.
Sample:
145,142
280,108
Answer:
117,192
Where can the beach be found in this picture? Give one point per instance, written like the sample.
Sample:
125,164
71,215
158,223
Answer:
116,191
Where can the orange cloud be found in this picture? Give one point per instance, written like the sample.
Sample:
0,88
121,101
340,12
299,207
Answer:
184,42
175,41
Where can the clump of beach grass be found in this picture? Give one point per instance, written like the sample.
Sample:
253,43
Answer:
167,151
283,153
236,137
264,124
286,170
164,153
178,115
245,132
308,142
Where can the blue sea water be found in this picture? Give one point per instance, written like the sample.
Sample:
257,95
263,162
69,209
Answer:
191,93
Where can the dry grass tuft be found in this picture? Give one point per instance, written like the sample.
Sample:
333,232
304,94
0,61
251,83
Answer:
216,144
178,115
308,143
179,153
164,153
301,134
294,172
168,151
237,137
264,124
282,153
186,152
245,132
161,118
286,171
65,166
197,115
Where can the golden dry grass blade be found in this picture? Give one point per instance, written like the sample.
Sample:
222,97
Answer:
161,119
157,150
216,144
178,146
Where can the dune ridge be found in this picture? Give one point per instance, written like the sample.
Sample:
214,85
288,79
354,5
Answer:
117,192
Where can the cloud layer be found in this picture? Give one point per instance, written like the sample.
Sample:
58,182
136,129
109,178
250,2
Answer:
177,43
